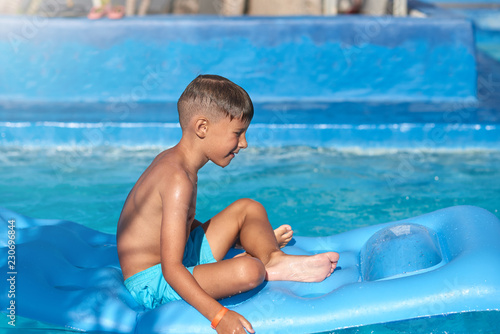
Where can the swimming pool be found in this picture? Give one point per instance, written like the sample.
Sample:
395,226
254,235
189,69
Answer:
319,191
324,168
357,171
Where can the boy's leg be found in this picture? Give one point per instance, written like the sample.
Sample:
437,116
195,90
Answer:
243,218
283,235
248,219
230,277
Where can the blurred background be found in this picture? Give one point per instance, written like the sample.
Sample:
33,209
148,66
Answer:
75,8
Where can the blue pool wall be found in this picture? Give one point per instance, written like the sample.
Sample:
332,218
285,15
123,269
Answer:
116,83
275,59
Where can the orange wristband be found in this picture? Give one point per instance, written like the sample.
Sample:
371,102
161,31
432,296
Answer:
218,317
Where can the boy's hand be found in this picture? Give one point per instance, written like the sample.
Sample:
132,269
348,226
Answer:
233,322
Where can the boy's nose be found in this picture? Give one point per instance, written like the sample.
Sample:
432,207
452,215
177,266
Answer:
243,142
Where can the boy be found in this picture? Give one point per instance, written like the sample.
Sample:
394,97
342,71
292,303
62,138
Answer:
165,254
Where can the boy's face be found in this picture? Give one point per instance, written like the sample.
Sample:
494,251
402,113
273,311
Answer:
225,138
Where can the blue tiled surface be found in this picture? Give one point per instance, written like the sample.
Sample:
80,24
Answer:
121,103
313,58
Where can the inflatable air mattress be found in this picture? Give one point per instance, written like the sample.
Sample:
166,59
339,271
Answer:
440,263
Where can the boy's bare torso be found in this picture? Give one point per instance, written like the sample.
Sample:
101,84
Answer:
139,226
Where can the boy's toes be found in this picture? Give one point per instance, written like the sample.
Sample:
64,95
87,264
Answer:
334,257
283,235
287,236
283,229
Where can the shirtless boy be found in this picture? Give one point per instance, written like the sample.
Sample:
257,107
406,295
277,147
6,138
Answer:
166,254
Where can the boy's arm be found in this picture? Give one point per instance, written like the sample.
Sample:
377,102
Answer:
175,206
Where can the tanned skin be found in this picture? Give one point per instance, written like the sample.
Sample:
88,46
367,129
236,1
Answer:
159,214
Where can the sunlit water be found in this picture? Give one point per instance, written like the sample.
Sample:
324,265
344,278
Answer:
459,323
318,191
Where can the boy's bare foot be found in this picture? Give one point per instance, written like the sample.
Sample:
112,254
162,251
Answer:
283,235
314,268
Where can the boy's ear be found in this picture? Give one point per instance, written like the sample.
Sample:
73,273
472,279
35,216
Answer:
201,127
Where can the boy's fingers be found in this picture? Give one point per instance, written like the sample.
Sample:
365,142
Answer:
247,325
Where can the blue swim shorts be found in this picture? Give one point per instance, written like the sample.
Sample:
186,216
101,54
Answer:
150,289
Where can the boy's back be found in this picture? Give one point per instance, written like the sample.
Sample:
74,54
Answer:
140,221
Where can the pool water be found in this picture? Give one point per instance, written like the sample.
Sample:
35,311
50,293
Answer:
488,41
487,29
319,191
466,323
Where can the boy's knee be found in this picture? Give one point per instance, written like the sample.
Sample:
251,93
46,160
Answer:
252,271
249,205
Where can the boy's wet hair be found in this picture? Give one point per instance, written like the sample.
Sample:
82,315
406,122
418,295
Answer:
216,97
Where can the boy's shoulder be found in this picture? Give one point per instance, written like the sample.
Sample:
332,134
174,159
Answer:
167,170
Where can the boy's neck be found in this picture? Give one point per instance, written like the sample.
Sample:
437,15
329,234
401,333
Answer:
191,155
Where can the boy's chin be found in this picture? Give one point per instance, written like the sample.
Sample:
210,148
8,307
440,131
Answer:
223,163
